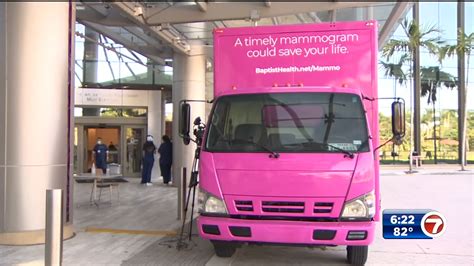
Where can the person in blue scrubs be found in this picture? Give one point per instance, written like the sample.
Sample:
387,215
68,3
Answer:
149,150
100,153
166,158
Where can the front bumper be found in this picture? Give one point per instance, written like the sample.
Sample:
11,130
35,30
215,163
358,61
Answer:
286,232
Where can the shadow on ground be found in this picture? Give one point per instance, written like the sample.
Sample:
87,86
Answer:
164,251
201,252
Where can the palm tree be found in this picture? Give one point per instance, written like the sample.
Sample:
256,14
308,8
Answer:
431,80
395,70
463,47
415,36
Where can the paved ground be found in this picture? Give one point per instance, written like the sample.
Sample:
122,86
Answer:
152,210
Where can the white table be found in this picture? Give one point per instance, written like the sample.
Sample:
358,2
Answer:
96,177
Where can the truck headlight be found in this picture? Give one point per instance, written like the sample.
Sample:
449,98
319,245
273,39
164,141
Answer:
361,207
209,203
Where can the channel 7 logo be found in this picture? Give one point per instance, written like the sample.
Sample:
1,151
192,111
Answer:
433,224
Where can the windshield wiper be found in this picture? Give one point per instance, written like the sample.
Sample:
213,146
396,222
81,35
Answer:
273,154
346,152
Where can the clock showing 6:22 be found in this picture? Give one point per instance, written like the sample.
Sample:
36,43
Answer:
412,224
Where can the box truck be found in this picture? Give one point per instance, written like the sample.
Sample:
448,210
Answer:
289,152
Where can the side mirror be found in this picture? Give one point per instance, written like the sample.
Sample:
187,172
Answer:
184,120
398,119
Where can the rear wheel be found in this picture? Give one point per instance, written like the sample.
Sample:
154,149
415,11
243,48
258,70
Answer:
224,249
357,255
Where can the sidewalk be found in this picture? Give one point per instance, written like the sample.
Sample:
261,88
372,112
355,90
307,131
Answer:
426,169
142,228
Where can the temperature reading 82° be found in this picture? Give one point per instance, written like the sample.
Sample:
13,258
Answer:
402,231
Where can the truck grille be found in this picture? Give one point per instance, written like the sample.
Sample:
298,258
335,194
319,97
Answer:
323,207
244,205
283,206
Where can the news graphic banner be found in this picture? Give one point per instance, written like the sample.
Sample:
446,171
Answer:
412,224
311,58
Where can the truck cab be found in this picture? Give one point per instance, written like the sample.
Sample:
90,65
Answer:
288,165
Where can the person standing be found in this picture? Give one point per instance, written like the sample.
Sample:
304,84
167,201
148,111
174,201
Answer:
166,158
149,150
100,153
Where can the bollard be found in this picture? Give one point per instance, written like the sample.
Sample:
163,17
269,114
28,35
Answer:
54,227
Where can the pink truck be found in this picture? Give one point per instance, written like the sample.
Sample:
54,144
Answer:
288,155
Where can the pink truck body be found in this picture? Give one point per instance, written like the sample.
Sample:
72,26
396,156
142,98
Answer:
308,189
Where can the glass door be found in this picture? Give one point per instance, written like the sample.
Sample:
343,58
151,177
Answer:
110,137
133,143
78,144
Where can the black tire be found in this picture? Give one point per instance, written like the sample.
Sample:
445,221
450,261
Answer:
224,249
357,255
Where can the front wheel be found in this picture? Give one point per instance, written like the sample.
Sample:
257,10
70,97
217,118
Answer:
224,249
357,255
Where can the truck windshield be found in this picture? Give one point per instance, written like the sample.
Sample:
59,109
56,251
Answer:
288,122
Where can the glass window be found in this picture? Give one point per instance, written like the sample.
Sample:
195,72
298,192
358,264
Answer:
110,112
288,122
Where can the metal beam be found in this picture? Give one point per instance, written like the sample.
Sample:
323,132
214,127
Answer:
107,59
79,65
127,10
315,17
136,56
130,69
398,11
77,76
301,18
110,46
201,5
153,54
242,10
102,14
99,8
219,24
276,20
143,36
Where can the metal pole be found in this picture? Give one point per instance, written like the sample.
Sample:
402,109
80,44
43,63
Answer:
182,195
54,227
434,134
184,186
461,90
417,86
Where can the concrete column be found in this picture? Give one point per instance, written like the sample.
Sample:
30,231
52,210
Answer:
36,49
89,63
189,83
154,124
91,56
